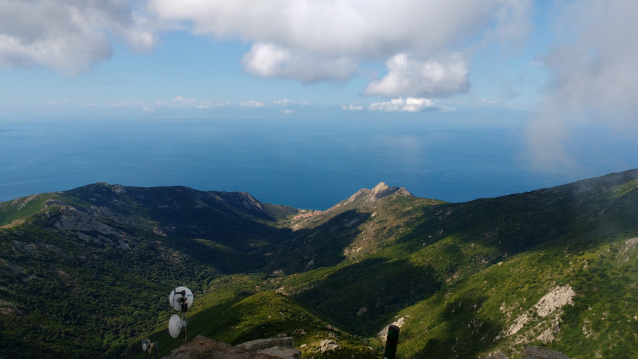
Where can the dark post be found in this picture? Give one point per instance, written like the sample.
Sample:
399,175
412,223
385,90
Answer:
391,342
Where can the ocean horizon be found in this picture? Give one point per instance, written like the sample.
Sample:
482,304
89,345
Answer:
309,163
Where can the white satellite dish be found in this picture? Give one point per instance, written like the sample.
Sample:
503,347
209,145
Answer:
146,345
181,298
175,326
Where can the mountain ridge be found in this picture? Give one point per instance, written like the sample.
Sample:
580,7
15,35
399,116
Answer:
380,256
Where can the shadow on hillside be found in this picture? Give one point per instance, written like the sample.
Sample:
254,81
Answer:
322,246
510,224
464,333
364,297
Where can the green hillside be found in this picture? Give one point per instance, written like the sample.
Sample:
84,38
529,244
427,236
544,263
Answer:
85,273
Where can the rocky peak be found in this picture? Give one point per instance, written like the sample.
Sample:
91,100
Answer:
383,190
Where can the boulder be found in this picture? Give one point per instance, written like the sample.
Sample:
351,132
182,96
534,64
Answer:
541,353
497,355
204,348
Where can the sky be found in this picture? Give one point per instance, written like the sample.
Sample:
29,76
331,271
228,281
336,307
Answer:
559,64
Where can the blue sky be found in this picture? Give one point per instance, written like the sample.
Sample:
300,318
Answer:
560,64
206,66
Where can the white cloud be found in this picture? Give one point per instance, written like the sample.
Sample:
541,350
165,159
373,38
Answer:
251,103
68,36
407,76
286,111
284,102
410,104
271,60
351,108
180,101
148,109
313,41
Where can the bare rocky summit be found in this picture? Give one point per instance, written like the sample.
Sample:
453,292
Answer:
204,348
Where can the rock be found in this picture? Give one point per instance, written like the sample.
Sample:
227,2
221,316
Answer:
253,345
541,353
328,345
497,355
399,323
278,353
204,348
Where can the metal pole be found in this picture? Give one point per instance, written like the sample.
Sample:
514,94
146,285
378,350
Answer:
391,342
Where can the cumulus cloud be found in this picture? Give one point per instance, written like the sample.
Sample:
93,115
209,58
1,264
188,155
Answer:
410,104
251,103
67,35
271,60
312,41
352,108
431,78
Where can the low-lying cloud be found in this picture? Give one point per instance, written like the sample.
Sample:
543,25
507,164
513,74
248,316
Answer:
594,77
251,103
410,104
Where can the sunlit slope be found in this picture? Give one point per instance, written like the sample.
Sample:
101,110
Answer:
580,301
263,315
453,243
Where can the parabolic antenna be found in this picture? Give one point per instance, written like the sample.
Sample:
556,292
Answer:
175,326
146,345
179,296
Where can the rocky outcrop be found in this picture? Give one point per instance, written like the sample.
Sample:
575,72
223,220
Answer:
204,348
533,353
329,345
542,353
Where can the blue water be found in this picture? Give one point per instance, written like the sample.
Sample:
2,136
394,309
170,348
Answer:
309,163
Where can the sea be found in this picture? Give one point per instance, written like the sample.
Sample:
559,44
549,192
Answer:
309,163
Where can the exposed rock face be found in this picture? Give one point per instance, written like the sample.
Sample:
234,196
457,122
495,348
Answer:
253,345
497,355
399,323
549,307
542,353
204,348
329,345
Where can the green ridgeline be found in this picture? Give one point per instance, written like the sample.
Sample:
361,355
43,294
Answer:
459,276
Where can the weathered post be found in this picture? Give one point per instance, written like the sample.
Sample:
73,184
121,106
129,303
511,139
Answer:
391,342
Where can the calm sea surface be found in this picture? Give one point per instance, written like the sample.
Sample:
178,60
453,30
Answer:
303,163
